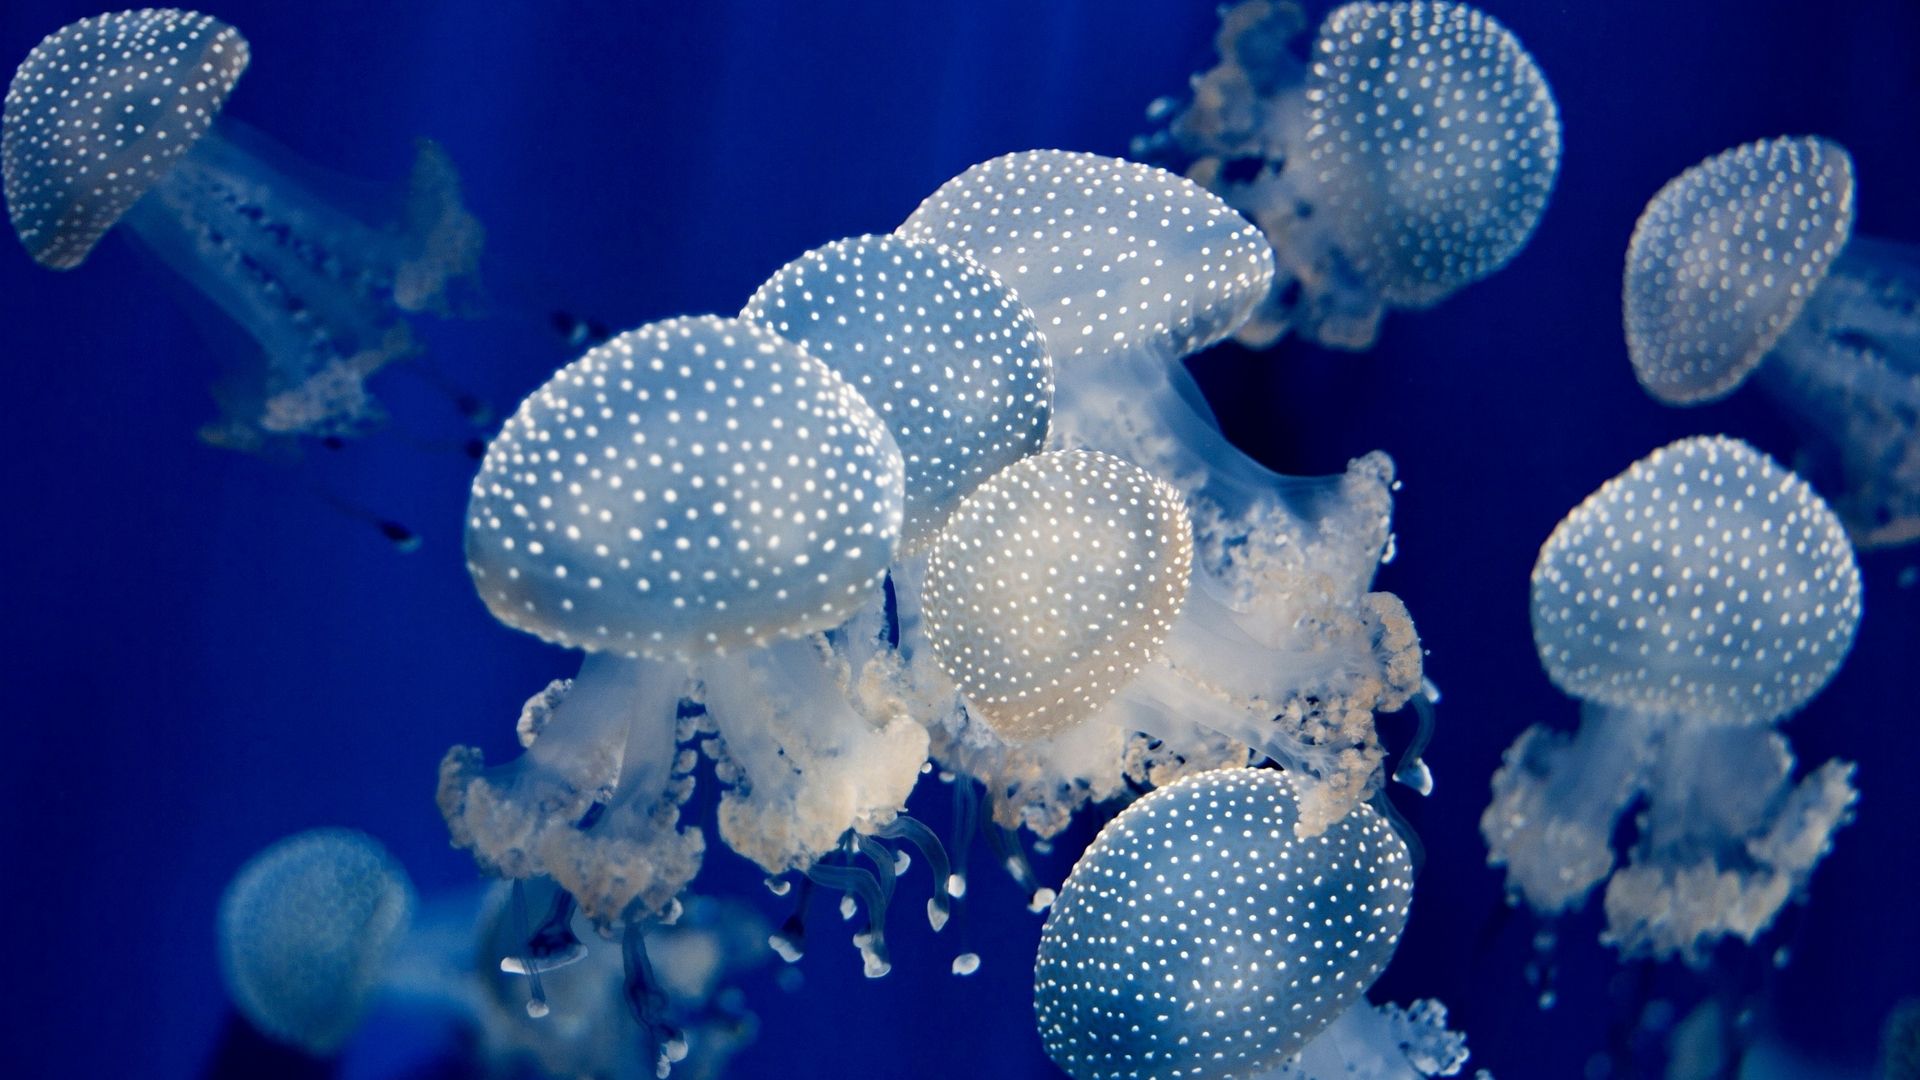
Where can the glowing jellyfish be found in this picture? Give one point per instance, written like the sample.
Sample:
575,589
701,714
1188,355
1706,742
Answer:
689,503
1128,269
1199,936
1690,603
307,930
1382,1042
114,120
1410,154
1746,265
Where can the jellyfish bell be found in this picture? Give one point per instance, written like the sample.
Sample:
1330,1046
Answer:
307,929
1200,936
943,350
1411,152
116,120
1746,267
1280,645
1691,602
1053,584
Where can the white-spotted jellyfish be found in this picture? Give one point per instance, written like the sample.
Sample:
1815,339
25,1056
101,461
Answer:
1690,603
1281,646
115,120
1409,154
308,928
1746,265
690,503
1200,936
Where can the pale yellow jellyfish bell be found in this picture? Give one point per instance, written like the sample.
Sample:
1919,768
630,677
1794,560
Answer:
1052,585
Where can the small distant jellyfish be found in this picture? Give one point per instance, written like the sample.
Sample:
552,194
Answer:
308,928
1200,936
690,503
1746,265
115,120
1691,603
1409,155
1128,269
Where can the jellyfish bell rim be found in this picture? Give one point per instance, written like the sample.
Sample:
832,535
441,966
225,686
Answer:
1649,362
66,249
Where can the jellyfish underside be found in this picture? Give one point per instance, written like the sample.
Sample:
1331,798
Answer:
1848,371
321,294
1725,835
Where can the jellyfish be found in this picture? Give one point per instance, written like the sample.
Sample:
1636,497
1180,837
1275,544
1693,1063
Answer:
1409,155
1746,265
307,929
690,504
1200,936
1691,603
1281,645
115,120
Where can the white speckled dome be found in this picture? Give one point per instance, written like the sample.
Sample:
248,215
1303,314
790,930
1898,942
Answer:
1705,580
1111,256
1724,258
693,485
1435,141
306,928
1198,937
1052,584
944,352
99,111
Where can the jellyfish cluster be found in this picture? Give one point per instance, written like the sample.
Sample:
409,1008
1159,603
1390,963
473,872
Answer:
944,505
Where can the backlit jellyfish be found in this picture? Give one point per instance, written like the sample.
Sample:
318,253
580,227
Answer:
1199,935
1280,647
689,503
1690,603
1410,154
1746,265
114,120
307,930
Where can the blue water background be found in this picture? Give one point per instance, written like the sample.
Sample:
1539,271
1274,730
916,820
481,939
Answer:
200,656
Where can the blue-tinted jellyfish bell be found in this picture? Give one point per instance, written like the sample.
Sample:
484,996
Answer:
1746,266
1201,936
1410,154
115,120
308,928
689,503
1128,269
1691,603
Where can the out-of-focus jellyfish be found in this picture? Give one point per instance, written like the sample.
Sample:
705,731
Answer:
1200,936
1746,265
1690,603
1410,153
320,925
307,930
690,503
114,120
1280,647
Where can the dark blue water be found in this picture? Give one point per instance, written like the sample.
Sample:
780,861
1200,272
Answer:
201,656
